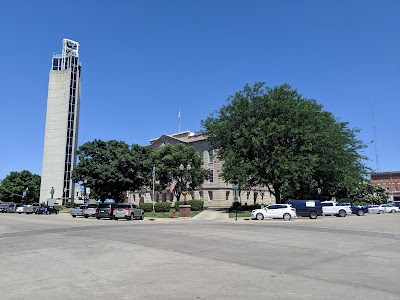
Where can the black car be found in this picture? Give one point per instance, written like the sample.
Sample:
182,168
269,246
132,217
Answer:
307,208
46,210
105,210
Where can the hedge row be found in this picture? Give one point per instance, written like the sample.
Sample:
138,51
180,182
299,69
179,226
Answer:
197,205
162,206
147,207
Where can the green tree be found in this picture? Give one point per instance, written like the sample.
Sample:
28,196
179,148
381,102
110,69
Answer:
16,184
112,168
167,161
369,193
275,138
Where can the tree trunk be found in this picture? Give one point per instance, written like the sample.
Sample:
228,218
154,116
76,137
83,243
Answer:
277,195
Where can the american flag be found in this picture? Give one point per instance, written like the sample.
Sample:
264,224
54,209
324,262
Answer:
172,185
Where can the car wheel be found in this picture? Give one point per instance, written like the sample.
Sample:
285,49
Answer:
342,213
132,217
97,218
111,218
360,212
287,217
86,216
260,216
381,212
313,215
116,219
142,217
74,216
392,211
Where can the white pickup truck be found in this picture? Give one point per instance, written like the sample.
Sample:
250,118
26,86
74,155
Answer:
331,208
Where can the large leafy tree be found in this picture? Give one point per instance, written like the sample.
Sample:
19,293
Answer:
16,184
273,137
112,168
366,192
167,161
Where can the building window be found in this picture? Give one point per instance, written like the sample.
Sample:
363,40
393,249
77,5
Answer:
227,195
201,193
210,195
210,156
395,189
201,157
212,176
387,189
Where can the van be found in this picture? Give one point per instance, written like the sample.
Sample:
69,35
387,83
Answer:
307,208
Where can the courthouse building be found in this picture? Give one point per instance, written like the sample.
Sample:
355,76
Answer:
214,192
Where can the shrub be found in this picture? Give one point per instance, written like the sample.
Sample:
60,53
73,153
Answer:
162,206
147,207
197,205
342,200
70,204
244,207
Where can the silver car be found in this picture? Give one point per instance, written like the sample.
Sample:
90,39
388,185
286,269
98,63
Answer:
90,210
128,211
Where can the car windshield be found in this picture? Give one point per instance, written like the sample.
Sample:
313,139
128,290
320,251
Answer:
344,204
104,205
92,206
122,206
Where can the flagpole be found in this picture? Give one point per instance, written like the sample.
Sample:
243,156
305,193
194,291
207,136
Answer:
179,117
154,175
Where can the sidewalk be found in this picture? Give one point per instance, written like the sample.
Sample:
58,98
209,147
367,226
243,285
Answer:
213,215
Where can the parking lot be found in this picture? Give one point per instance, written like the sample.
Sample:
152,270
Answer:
58,257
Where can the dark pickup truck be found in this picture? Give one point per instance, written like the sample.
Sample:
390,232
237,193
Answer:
358,210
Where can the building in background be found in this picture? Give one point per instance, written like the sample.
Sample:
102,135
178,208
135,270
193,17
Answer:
62,118
214,192
391,181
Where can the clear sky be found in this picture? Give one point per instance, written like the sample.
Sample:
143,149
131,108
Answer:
142,60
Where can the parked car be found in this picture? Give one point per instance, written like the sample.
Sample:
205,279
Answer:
359,210
128,211
12,208
3,207
275,211
77,211
331,208
307,208
27,209
90,210
389,208
105,210
46,210
374,209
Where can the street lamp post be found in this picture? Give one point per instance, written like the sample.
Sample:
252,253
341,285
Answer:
26,197
184,210
84,191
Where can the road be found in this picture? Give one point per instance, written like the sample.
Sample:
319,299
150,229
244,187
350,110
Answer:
58,257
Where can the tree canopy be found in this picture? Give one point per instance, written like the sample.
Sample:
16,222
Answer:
17,184
167,161
366,192
275,138
112,168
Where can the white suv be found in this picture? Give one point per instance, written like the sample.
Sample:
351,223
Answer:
274,211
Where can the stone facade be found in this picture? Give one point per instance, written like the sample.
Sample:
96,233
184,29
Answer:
214,192
391,181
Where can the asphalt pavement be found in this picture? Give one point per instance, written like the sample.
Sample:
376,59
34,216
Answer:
59,257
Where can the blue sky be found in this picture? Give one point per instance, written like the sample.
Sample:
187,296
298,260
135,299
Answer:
142,60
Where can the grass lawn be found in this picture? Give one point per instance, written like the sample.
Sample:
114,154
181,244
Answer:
167,214
242,214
